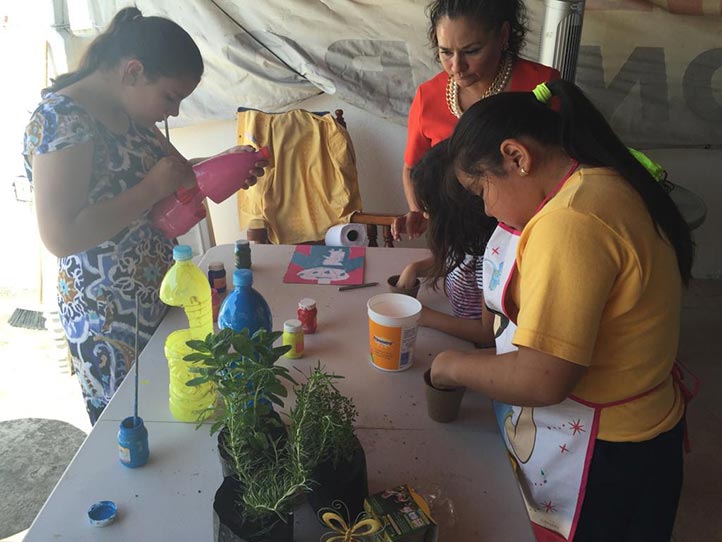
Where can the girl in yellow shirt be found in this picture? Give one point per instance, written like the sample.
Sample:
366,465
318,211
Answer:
584,272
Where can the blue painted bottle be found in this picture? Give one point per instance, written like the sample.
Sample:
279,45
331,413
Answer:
244,307
133,442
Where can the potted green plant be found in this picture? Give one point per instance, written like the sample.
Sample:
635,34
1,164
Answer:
322,427
267,474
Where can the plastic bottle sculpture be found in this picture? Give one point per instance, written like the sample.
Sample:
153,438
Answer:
185,285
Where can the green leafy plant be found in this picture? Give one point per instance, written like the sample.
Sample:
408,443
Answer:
249,382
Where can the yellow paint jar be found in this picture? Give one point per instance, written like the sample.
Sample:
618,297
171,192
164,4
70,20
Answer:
293,336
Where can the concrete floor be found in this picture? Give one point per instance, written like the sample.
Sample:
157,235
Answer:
35,381
699,518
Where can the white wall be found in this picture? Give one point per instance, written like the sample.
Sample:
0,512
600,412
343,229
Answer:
379,146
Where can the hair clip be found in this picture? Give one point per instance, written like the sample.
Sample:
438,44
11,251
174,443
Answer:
654,169
542,93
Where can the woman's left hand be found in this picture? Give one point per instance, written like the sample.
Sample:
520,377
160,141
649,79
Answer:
256,171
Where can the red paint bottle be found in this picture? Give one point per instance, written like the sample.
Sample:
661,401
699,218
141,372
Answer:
307,313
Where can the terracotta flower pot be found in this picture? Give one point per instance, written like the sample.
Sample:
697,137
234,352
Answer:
413,291
442,404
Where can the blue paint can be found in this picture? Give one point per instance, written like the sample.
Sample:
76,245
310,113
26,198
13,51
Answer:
133,442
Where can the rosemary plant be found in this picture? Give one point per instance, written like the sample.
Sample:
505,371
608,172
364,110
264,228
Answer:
322,421
249,382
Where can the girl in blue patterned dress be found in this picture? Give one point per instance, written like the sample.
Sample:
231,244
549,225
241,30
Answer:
98,164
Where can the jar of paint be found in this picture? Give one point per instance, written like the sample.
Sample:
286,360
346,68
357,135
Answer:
217,277
133,442
242,254
307,314
293,336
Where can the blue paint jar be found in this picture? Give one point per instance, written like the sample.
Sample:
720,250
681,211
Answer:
133,442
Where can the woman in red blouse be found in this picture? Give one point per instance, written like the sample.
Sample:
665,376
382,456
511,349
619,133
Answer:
478,44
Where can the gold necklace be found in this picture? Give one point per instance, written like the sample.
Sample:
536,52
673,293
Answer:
497,85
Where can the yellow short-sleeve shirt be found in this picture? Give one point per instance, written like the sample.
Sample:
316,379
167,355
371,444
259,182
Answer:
597,285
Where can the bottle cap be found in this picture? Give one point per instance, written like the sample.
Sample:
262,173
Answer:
292,326
182,253
242,244
265,152
307,303
216,266
102,513
242,277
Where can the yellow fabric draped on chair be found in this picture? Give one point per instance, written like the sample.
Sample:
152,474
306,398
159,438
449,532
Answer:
311,183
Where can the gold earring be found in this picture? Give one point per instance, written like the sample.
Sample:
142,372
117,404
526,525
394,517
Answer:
523,172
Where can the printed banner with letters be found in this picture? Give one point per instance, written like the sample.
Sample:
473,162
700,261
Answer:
652,66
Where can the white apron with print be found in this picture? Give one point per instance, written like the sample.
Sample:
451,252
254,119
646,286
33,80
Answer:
551,446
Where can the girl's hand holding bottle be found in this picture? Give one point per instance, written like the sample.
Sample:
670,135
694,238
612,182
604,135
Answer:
256,171
169,174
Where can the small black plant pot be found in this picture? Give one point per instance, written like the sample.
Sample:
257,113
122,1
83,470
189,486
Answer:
230,524
347,483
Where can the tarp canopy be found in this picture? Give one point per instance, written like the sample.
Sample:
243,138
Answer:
651,66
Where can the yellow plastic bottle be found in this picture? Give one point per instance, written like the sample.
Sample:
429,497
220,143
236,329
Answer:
185,285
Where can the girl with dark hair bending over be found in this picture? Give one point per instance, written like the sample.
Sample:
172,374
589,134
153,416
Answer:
98,164
455,259
585,274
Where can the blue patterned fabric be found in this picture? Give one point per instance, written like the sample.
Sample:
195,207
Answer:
97,288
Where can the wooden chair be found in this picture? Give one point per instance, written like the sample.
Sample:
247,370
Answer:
312,184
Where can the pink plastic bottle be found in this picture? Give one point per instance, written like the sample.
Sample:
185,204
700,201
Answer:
217,178
223,175
177,213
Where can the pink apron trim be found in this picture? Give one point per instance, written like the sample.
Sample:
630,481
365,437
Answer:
509,229
504,296
542,534
679,371
517,233
585,474
629,399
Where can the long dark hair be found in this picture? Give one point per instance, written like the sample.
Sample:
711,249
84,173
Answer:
452,213
164,48
581,130
490,14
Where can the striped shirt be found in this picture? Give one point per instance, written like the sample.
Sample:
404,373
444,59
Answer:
464,288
